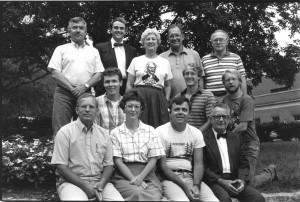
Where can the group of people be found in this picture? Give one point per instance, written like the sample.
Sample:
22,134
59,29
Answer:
159,127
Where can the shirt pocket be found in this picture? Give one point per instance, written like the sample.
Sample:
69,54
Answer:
100,153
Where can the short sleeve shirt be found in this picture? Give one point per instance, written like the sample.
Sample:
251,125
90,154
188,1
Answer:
150,72
84,152
179,146
201,103
214,67
137,147
178,63
242,110
76,63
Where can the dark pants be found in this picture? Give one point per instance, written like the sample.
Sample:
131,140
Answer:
64,104
249,194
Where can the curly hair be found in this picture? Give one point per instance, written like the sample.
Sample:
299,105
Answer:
132,95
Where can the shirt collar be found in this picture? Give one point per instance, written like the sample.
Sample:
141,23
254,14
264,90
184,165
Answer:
124,129
113,41
77,46
108,100
82,127
214,54
215,133
199,91
184,50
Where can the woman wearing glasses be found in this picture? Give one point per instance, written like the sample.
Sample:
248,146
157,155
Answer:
150,74
135,150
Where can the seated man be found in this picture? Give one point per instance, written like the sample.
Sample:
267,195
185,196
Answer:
110,115
226,170
83,157
182,167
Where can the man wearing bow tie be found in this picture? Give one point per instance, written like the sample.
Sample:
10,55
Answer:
226,170
115,53
242,122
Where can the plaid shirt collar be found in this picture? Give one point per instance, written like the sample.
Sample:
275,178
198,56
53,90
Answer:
124,129
78,46
108,101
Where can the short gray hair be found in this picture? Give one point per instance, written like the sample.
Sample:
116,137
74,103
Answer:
220,30
76,20
150,31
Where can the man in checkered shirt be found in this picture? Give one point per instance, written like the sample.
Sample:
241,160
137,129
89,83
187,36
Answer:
110,114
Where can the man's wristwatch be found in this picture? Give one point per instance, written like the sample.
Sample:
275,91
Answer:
87,86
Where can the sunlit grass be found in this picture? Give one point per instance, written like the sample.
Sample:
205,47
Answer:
286,156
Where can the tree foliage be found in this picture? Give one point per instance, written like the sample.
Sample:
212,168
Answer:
32,30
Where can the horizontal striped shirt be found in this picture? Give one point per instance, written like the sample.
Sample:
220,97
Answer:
214,67
201,103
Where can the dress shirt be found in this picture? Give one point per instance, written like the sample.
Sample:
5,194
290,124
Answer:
84,151
121,58
222,144
76,63
137,147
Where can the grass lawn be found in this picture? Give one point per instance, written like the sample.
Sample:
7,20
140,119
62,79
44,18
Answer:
285,155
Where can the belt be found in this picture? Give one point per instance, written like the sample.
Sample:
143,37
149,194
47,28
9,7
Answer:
148,86
182,171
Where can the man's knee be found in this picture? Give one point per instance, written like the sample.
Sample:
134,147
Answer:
173,192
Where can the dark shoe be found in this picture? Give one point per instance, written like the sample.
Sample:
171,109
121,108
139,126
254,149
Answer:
273,170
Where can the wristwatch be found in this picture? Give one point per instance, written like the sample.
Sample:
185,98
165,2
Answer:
87,86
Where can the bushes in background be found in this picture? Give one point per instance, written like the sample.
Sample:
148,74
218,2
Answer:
285,131
27,162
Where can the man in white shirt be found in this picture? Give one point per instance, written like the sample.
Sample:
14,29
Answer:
226,170
182,167
115,53
76,67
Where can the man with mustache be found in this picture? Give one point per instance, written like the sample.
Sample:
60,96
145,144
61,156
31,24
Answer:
182,167
115,53
178,57
76,67
242,122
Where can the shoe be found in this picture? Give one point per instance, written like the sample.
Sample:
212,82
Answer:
273,169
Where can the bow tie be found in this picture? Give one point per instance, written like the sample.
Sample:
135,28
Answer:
224,135
118,44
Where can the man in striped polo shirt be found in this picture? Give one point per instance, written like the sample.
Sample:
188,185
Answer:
201,100
215,63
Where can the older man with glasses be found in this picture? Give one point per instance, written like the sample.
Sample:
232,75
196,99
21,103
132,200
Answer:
220,59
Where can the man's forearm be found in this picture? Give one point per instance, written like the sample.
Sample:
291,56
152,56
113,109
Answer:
71,177
95,79
198,174
106,175
61,79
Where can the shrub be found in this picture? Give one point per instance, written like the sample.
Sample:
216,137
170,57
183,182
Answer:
286,131
22,161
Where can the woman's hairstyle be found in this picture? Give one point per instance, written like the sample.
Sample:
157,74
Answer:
150,31
132,95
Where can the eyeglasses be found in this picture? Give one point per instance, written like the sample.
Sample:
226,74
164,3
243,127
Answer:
136,107
84,107
218,117
219,40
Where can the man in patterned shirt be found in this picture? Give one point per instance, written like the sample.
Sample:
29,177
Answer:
215,63
110,114
182,167
201,100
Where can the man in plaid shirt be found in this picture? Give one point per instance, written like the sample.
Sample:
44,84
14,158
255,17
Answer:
110,114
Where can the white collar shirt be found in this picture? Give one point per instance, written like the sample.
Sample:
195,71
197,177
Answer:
222,145
121,58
